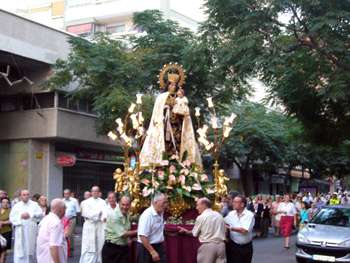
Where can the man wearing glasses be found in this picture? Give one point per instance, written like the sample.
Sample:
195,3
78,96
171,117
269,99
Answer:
240,223
151,232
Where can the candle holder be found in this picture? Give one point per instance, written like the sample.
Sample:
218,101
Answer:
215,147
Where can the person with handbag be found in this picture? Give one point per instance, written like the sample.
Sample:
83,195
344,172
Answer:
304,214
6,228
274,210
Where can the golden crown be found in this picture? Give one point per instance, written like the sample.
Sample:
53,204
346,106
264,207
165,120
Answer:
173,77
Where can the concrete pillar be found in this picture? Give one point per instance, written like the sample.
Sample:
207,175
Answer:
54,175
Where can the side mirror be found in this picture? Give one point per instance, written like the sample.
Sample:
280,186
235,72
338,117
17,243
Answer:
306,221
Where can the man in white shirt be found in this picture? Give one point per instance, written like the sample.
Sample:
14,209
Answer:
210,229
240,223
17,198
51,241
93,234
72,211
25,215
112,204
150,232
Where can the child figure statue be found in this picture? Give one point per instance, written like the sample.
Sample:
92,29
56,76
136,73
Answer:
181,106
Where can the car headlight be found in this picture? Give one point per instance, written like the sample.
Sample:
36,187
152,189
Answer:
302,239
344,244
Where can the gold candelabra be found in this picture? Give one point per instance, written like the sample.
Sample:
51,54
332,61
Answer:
215,147
129,178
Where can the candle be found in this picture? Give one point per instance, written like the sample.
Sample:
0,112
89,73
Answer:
227,121
214,123
198,111
119,121
141,119
112,135
232,117
227,131
210,102
132,107
139,100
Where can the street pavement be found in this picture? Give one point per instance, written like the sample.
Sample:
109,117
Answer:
266,250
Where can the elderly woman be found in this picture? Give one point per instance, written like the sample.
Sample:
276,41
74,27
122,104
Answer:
5,225
43,205
274,210
288,218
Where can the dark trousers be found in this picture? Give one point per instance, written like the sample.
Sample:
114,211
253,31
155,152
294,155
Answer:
143,255
239,253
112,253
265,224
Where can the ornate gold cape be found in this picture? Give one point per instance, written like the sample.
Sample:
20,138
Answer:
154,144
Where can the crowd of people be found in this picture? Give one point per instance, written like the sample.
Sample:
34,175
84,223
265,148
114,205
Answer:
45,233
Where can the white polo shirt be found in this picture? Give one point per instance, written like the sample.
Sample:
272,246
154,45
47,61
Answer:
151,225
246,220
288,208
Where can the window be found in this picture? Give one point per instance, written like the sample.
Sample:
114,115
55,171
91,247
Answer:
65,102
115,29
333,216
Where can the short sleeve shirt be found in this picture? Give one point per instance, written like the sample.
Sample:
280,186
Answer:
72,207
151,225
288,208
116,226
246,220
51,234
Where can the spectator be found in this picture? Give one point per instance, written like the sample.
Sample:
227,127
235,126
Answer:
93,236
51,242
318,203
74,195
107,210
304,214
260,199
115,248
334,200
257,209
36,197
250,205
24,216
231,195
265,218
274,210
43,204
16,197
151,232
6,226
298,208
240,223
210,229
288,217
87,195
72,211
313,210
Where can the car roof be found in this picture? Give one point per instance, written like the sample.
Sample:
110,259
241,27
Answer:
338,206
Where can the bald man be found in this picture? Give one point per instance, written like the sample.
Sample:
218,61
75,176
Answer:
51,241
93,234
210,228
25,215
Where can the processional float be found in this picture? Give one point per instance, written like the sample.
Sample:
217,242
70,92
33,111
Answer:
182,180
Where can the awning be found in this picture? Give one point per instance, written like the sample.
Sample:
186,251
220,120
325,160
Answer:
80,29
298,174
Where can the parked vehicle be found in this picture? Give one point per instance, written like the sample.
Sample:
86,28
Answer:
326,237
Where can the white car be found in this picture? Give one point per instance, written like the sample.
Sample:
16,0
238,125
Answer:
326,238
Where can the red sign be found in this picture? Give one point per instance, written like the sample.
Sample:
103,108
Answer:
66,160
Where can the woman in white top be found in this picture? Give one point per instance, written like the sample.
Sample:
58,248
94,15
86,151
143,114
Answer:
289,215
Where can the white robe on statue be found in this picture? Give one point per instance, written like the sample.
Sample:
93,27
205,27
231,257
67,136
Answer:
25,231
93,234
154,145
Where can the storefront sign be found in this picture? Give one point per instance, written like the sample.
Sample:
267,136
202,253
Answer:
66,160
99,155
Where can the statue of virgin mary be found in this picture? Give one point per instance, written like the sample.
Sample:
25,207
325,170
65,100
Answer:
169,132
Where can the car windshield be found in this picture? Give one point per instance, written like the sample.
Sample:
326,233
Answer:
333,217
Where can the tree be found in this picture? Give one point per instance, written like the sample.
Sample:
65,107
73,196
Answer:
112,71
298,49
258,135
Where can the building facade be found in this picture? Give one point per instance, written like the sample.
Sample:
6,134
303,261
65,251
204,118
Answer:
39,127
